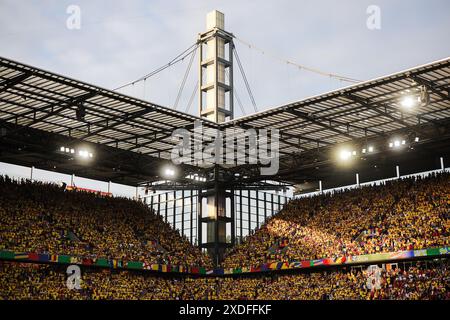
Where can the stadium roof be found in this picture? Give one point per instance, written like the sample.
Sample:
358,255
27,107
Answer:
40,111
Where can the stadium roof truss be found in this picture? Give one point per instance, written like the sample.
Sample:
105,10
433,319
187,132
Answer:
138,134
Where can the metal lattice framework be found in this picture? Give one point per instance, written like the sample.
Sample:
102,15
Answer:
40,102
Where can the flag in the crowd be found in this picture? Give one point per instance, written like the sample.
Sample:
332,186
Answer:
237,270
33,256
22,255
264,267
273,266
155,267
195,270
306,263
218,271
317,262
87,262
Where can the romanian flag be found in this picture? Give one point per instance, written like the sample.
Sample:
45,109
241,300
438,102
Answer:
54,258
285,265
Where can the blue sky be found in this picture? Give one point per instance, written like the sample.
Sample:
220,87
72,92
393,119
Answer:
120,41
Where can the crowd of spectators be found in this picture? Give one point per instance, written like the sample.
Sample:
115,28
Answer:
420,281
45,218
400,215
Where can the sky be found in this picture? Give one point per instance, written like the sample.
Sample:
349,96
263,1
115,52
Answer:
119,41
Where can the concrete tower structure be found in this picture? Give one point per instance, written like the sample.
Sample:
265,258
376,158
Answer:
216,205
216,70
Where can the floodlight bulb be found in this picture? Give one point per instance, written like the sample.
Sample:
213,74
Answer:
344,154
408,102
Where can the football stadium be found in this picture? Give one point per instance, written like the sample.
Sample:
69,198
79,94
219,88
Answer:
342,195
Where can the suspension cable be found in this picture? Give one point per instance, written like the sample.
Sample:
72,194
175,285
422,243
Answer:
188,107
235,94
245,80
175,60
183,83
299,66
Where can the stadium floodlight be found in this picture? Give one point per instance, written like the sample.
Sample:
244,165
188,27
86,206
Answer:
409,102
416,139
354,153
364,150
397,143
72,151
67,150
345,155
370,148
391,144
403,142
169,172
85,154
62,149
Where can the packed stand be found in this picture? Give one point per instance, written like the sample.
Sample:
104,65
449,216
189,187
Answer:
44,218
412,281
399,215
